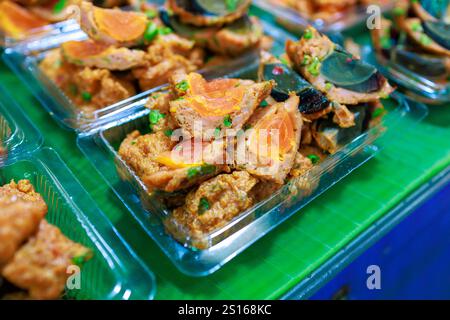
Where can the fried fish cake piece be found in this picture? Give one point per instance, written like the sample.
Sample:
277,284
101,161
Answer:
140,151
89,89
97,55
213,204
167,55
113,26
21,210
40,266
272,140
220,103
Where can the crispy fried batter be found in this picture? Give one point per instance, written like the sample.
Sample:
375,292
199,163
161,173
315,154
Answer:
21,210
213,204
139,151
40,266
89,89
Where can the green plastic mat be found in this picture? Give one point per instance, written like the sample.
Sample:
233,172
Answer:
411,156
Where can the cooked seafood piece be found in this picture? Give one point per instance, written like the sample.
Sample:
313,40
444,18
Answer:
272,141
40,266
391,46
166,56
21,210
432,10
212,205
185,166
341,77
115,26
94,54
287,80
231,40
163,164
420,33
89,89
203,13
330,137
343,117
16,21
217,104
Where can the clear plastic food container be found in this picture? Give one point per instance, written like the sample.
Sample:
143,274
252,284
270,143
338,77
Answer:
25,57
114,272
296,22
101,147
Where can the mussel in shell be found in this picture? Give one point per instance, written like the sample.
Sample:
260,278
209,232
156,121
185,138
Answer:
422,63
439,31
436,8
342,70
287,80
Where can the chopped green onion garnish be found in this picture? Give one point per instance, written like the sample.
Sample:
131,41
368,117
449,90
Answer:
227,122
203,205
164,31
314,67
168,132
151,32
154,116
151,13
314,158
308,34
86,96
182,86
59,6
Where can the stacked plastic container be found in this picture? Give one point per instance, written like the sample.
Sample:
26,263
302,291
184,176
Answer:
114,272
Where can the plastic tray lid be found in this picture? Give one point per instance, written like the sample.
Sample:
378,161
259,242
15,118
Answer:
17,134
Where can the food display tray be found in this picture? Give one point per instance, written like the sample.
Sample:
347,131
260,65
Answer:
101,146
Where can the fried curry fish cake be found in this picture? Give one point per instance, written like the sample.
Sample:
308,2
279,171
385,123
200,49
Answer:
40,266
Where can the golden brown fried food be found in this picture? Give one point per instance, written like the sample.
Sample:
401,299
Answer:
113,26
92,54
88,88
40,266
140,151
166,56
319,46
221,103
16,21
21,210
273,140
213,204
